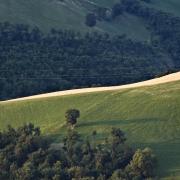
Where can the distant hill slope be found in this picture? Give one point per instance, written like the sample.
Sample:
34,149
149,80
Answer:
160,80
149,116
68,14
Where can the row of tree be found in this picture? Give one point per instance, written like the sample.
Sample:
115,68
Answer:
33,62
26,155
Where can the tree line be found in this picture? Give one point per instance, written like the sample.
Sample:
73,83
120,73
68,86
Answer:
33,62
27,155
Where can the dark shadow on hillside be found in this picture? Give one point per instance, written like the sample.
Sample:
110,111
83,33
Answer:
168,156
117,122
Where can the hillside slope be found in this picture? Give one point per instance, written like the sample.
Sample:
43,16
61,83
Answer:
161,80
69,14
149,115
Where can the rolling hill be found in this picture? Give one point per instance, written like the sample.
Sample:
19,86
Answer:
148,114
148,111
70,14
68,59
165,79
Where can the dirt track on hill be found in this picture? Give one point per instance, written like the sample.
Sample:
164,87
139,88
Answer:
161,80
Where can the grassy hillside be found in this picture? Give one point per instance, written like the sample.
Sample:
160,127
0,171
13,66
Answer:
149,116
69,14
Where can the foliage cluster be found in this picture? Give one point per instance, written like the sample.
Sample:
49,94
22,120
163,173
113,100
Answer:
26,155
33,63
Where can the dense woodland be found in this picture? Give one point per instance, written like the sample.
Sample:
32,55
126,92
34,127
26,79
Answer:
26,155
32,62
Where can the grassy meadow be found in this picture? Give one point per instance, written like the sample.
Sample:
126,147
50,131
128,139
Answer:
150,116
69,14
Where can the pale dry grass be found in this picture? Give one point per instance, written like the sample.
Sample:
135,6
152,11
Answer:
161,80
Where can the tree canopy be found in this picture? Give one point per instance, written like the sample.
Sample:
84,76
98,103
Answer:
71,116
34,63
26,155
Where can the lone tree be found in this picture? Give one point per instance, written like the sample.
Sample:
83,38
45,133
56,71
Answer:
118,136
71,116
90,19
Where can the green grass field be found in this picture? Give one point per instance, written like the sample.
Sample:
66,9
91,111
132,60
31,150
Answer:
70,14
150,116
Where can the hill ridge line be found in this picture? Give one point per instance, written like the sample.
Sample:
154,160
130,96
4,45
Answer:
156,81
